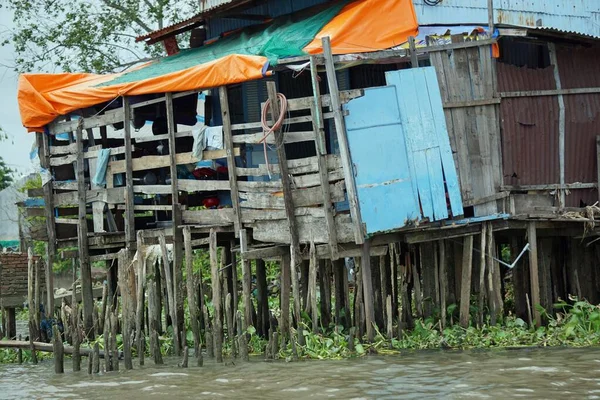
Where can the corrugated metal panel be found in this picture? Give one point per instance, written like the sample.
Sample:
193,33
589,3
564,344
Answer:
578,67
529,127
579,16
207,5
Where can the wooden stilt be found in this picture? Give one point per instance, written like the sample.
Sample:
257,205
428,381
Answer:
311,307
262,299
368,290
325,292
96,359
246,279
294,264
534,272
141,277
443,281
191,289
417,288
482,271
465,285
127,305
58,349
113,337
284,299
217,301
170,293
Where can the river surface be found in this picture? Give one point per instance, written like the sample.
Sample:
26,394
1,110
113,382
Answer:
538,373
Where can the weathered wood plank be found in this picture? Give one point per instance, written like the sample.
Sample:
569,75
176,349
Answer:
71,157
108,118
110,196
340,129
309,228
151,162
288,121
288,137
128,169
300,198
228,142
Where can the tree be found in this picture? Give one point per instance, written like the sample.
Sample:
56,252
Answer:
6,173
87,35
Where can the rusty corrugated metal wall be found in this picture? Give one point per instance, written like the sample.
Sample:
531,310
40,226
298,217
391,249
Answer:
530,125
578,68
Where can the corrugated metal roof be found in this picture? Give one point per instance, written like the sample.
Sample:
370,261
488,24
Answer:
576,16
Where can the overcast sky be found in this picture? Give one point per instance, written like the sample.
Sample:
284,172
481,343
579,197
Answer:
15,150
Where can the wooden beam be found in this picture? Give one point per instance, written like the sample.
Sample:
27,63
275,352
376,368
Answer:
554,92
534,276
552,186
340,128
465,282
128,169
598,164
108,118
472,103
228,142
151,162
562,120
82,239
44,154
321,146
414,58
283,168
368,294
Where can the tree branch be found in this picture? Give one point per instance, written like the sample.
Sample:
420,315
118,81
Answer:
125,11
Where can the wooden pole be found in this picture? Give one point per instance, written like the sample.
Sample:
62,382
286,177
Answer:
482,264
228,142
262,298
246,279
465,283
491,16
191,289
129,210
43,141
139,314
443,281
30,294
217,301
294,262
76,335
82,230
368,290
58,349
340,129
321,146
311,305
284,300
127,305
534,271
414,57
170,293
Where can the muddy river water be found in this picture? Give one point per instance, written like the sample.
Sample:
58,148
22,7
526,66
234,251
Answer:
537,373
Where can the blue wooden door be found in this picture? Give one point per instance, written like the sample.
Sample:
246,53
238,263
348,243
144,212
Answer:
400,149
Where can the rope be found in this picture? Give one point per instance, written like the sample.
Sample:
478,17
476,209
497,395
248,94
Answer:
267,130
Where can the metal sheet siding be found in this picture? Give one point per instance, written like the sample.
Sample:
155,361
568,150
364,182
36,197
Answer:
529,127
580,16
578,68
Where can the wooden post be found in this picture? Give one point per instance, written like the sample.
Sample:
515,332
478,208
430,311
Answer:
325,292
368,289
414,57
129,210
417,286
170,293
82,231
491,17
44,154
262,298
113,338
465,283
242,339
217,301
494,295
294,262
284,300
31,306
284,172
311,305
127,305
230,328
106,334
58,350
534,271
482,264
443,281
191,289
76,335
562,122
234,277
228,142
139,314
321,146
598,164
246,279
340,129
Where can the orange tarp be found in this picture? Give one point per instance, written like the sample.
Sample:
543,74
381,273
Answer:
360,26
43,97
365,26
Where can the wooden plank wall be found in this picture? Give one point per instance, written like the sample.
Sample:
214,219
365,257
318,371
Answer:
468,87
